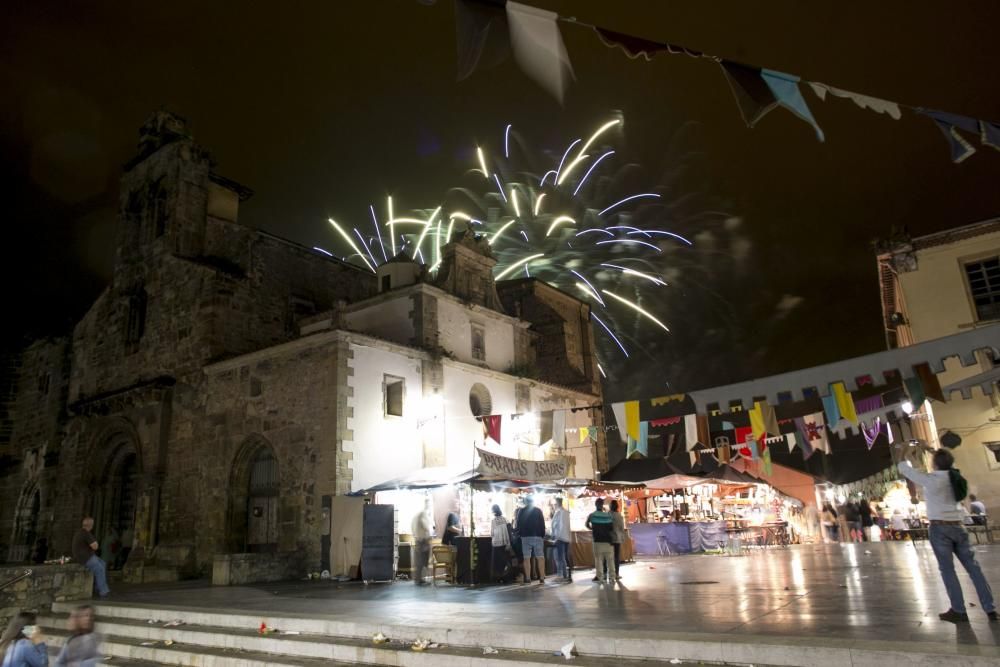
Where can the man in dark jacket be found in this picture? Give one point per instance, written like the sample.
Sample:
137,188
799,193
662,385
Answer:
85,553
531,527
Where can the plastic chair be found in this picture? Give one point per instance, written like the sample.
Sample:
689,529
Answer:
444,557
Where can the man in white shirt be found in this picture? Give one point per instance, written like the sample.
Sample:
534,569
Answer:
977,509
563,537
421,529
948,537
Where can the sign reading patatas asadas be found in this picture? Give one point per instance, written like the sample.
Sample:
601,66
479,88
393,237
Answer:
494,465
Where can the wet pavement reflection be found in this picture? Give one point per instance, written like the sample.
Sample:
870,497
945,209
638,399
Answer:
886,591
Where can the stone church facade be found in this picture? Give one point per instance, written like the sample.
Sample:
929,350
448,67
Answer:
227,383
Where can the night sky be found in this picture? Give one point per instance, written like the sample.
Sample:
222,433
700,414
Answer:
325,107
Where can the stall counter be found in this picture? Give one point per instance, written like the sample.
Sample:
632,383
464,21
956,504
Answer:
682,537
582,549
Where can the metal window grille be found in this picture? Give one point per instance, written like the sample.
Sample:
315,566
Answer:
984,284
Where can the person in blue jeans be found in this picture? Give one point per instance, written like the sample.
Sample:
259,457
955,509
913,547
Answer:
948,537
22,643
563,536
531,527
85,553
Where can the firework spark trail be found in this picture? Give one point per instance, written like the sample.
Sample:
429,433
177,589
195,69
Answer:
362,239
350,242
592,167
378,232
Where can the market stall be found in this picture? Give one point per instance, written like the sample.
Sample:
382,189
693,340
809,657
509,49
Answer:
684,513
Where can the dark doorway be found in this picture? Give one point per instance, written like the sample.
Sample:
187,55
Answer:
253,500
115,521
26,525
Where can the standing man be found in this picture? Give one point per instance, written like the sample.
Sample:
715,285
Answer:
531,526
421,528
978,510
85,553
948,537
563,536
601,526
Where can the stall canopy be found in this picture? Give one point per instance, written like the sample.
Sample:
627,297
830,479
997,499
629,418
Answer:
655,473
425,478
727,474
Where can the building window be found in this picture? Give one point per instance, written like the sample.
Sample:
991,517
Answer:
984,286
393,390
478,343
480,401
136,324
992,454
156,209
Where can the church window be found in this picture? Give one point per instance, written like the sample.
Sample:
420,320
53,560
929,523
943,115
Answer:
992,455
478,343
136,323
480,401
156,209
393,389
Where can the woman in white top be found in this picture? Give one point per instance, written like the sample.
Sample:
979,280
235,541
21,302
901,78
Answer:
500,532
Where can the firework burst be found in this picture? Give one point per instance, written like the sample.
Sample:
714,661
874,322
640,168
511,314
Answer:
576,226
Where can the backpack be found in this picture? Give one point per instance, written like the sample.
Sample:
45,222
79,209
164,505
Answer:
959,485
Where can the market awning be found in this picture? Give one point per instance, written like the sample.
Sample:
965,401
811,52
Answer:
425,478
729,475
655,473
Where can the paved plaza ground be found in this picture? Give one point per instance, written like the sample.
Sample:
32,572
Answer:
883,592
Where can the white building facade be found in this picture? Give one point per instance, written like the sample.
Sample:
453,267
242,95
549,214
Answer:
941,284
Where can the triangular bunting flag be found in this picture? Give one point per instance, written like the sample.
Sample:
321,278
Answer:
929,382
481,34
753,96
845,402
538,47
690,431
786,90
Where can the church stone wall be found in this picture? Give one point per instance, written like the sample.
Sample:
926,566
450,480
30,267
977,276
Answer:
41,382
285,396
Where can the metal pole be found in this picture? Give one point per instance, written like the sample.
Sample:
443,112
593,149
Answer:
472,524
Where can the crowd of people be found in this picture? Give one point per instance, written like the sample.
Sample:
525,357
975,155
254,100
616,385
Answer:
23,642
519,546
866,520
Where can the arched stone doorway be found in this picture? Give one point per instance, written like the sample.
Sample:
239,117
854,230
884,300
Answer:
116,491
26,518
252,524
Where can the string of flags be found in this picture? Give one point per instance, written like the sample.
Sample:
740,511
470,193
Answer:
750,433
489,31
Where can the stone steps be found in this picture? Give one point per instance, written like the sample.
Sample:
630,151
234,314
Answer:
55,639
230,638
128,633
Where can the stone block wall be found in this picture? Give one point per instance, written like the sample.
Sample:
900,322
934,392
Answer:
564,352
38,415
47,584
286,397
239,569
